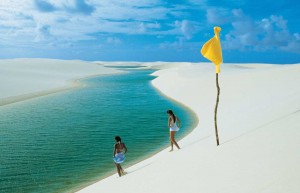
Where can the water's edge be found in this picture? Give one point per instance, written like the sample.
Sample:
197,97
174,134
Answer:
69,85
78,84
146,157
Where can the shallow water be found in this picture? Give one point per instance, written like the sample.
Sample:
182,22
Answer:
63,141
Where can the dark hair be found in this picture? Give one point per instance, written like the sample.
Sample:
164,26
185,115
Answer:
118,138
172,114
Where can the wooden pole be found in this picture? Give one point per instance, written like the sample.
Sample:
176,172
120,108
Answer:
216,108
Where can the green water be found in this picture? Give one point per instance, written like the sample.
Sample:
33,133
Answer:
64,141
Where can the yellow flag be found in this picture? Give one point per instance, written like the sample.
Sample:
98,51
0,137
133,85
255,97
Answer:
212,49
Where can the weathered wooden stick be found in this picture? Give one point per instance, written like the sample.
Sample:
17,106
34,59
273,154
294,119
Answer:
216,109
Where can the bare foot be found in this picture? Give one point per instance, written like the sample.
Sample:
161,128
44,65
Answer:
171,150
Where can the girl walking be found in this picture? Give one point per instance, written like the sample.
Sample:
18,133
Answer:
172,124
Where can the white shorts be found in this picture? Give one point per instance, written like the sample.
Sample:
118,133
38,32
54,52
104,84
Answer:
174,128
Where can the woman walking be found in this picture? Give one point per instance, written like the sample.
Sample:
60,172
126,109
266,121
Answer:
119,154
172,124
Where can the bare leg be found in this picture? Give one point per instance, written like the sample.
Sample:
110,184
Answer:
122,171
119,169
171,146
173,139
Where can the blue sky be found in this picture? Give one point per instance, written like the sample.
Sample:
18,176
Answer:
150,30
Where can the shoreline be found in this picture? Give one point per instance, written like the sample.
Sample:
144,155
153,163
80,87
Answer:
248,146
73,84
156,152
67,82
257,119
76,83
70,85
147,158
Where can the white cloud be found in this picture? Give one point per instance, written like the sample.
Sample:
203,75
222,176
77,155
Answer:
187,28
148,27
64,22
117,11
43,32
73,6
136,3
184,30
75,20
218,16
266,34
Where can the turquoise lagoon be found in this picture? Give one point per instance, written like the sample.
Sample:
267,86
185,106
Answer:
64,141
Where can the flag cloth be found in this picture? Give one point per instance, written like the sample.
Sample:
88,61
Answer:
212,49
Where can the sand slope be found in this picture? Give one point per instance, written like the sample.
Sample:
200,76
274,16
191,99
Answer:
259,133
27,78
258,121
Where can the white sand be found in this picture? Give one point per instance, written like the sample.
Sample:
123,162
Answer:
258,119
27,78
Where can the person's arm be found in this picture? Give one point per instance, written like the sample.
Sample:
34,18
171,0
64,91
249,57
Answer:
115,147
178,121
169,122
125,148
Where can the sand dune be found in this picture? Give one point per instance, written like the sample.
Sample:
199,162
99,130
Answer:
27,78
258,121
258,127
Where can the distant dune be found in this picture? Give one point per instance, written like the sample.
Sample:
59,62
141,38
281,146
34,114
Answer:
27,78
